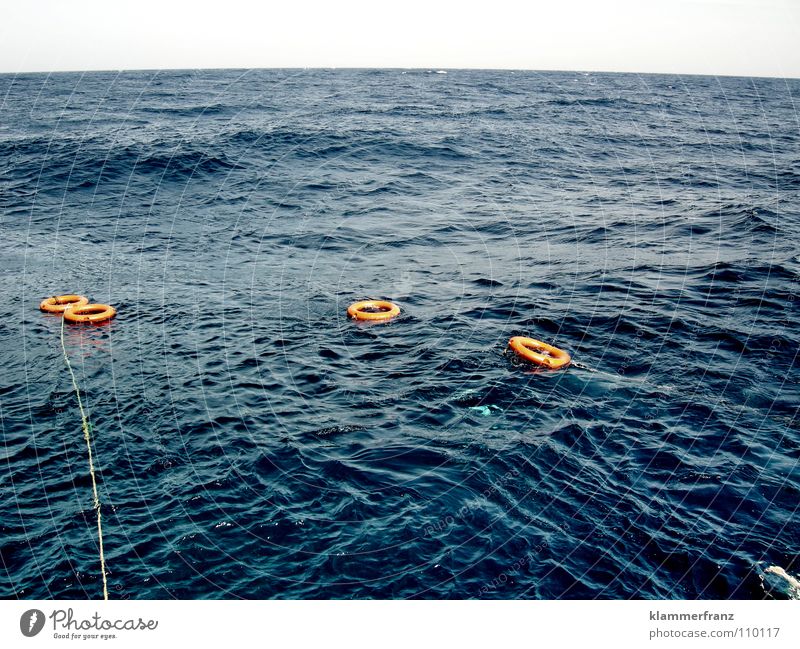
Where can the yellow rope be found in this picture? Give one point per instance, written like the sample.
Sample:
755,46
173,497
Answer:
87,437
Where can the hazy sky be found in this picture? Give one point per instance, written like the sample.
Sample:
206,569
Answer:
741,37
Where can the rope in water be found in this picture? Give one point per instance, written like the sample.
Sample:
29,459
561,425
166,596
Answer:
88,438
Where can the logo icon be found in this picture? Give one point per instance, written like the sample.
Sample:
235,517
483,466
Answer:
31,622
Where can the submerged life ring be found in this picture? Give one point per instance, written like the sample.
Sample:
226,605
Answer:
366,310
538,352
60,303
93,313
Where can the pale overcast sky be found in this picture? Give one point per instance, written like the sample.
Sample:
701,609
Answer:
725,37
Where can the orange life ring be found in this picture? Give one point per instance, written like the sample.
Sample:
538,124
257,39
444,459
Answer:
93,313
60,303
540,353
360,310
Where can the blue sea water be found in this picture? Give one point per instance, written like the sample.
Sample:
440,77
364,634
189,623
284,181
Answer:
252,442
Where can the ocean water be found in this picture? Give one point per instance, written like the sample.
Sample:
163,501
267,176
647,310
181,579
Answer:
252,442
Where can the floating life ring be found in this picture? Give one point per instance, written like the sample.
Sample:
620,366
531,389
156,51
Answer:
93,313
373,310
60,303
540,353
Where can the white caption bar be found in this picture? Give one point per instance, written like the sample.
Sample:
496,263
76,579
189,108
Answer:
401,624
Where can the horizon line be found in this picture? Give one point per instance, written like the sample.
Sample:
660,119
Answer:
414,68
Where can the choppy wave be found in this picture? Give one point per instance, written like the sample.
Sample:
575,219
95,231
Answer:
252,442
